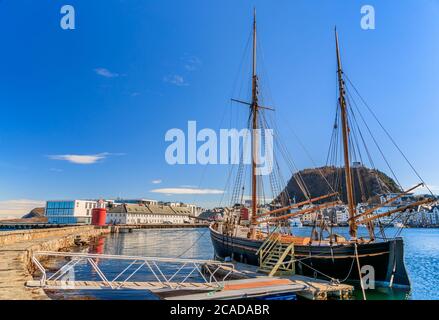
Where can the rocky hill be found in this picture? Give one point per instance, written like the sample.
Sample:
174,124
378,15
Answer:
366,184
34,213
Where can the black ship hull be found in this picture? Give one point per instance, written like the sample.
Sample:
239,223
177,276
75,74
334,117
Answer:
338,262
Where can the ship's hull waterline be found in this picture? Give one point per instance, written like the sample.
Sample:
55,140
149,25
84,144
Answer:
338,262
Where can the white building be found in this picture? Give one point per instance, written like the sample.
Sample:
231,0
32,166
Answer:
342,215
194,209
309,217
402,200
425,217
138,201
147,214
71,211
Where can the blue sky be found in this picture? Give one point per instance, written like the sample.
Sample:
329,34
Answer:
131,70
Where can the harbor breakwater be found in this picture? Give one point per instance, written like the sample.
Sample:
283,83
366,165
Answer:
17,247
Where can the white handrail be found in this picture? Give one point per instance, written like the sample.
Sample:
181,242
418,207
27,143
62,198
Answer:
152,264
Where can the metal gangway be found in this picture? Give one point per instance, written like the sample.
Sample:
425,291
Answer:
142,273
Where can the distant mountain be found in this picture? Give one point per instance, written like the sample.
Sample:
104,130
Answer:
34,213
368,183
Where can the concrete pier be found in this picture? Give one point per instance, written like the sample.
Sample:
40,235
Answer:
16,248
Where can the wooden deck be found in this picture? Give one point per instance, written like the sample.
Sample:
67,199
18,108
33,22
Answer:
313,289
245,282
233,289
97,285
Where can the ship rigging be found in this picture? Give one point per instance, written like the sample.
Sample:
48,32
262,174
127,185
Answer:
241,237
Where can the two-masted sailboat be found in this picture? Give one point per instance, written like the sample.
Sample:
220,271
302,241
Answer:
333,257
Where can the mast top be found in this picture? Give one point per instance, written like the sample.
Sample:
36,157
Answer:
254,42
346,153
254,115
338,50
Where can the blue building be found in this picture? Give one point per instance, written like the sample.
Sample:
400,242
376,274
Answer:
71,211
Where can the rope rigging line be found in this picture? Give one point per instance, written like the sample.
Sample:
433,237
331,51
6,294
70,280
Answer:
194,243
388,135
308,155
276,177
240,67
371,162
376,144
282,148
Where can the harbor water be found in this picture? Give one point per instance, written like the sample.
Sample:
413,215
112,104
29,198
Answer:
421,258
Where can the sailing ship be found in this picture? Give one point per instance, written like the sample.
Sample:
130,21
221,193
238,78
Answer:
335,257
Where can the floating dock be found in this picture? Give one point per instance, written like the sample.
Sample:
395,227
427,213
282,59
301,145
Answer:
312,289
167,278
233,289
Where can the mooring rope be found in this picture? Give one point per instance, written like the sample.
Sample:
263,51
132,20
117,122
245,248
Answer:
359,272
193,244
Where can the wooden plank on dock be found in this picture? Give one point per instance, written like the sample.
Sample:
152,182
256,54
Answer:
314,289
256,283
245,288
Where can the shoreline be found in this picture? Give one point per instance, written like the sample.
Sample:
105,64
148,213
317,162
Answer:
17,247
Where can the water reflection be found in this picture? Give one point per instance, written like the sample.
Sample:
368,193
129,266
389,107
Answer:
421,256
181,243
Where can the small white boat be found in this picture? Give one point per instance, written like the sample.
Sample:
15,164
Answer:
296,223
399,225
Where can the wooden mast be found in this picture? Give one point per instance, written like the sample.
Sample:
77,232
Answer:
345,130
254,112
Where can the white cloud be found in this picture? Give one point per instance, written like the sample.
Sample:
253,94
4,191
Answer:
106,73
157,181
249,197
10,209
192,63
433,188
81,159
175,79
171,191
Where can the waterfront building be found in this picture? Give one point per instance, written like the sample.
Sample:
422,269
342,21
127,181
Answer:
342,215
337,215
137,201
71,211
128,213
247,203
356,164
425,217
194,209
402,200
309,218
212,214
385,209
